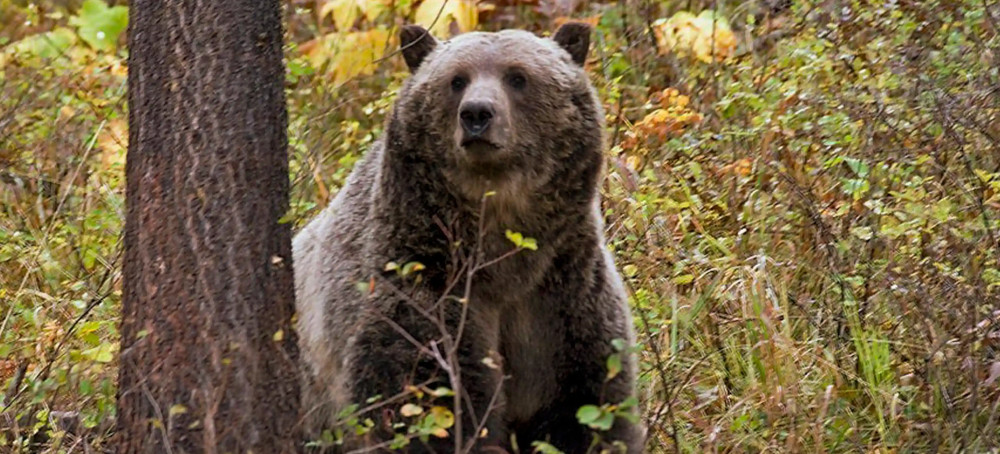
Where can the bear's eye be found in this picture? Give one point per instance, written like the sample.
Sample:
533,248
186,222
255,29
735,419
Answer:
458,83
517,81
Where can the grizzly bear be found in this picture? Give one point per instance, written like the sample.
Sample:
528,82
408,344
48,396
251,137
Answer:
472,230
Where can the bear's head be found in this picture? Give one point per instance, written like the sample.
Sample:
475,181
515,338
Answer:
507,112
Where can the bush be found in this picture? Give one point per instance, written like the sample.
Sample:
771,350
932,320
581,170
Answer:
803,196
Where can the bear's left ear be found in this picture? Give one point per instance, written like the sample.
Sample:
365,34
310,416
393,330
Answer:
416,43
575,38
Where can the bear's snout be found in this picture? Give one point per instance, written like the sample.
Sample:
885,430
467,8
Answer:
482,116
476,117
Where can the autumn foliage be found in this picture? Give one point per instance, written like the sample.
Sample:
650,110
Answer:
803,196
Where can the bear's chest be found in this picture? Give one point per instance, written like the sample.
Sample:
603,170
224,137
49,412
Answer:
528,333
506,272
528,344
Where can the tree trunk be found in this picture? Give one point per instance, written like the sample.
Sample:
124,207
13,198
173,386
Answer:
209,361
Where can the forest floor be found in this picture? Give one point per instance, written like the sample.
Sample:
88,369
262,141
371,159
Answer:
803,197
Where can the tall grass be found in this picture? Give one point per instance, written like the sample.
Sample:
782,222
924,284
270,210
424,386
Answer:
813,263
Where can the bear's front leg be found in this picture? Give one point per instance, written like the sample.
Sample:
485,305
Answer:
558,425
402,354
591,325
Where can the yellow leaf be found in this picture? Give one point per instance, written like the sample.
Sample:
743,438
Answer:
437,15
704,37
112,141
743,167
411,410
983,175
348,54
443,418
683,279
344,13
66,112
372,8
416,391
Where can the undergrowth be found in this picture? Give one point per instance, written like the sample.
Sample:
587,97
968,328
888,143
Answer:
805,211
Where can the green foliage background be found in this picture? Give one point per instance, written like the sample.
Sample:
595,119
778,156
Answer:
814,261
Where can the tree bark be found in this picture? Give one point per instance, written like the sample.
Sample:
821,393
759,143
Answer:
209,361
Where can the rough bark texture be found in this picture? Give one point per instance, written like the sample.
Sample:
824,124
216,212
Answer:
209,357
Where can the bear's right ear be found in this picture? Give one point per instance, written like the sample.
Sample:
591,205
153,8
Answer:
415,42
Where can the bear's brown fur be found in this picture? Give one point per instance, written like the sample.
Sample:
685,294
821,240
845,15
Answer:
515,116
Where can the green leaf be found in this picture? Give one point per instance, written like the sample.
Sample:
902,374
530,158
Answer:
347,411
614,366
90,256
588,414
442,391
86,387
683,279
289,216
628,403
99,25
631,416
514,237
857,166
542,447
102,353
399,441
45,45
411,267
363,287
864,233
521,241
605,422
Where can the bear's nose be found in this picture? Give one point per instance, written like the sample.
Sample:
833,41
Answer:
476,116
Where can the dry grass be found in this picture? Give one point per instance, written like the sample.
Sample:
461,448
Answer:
814,262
